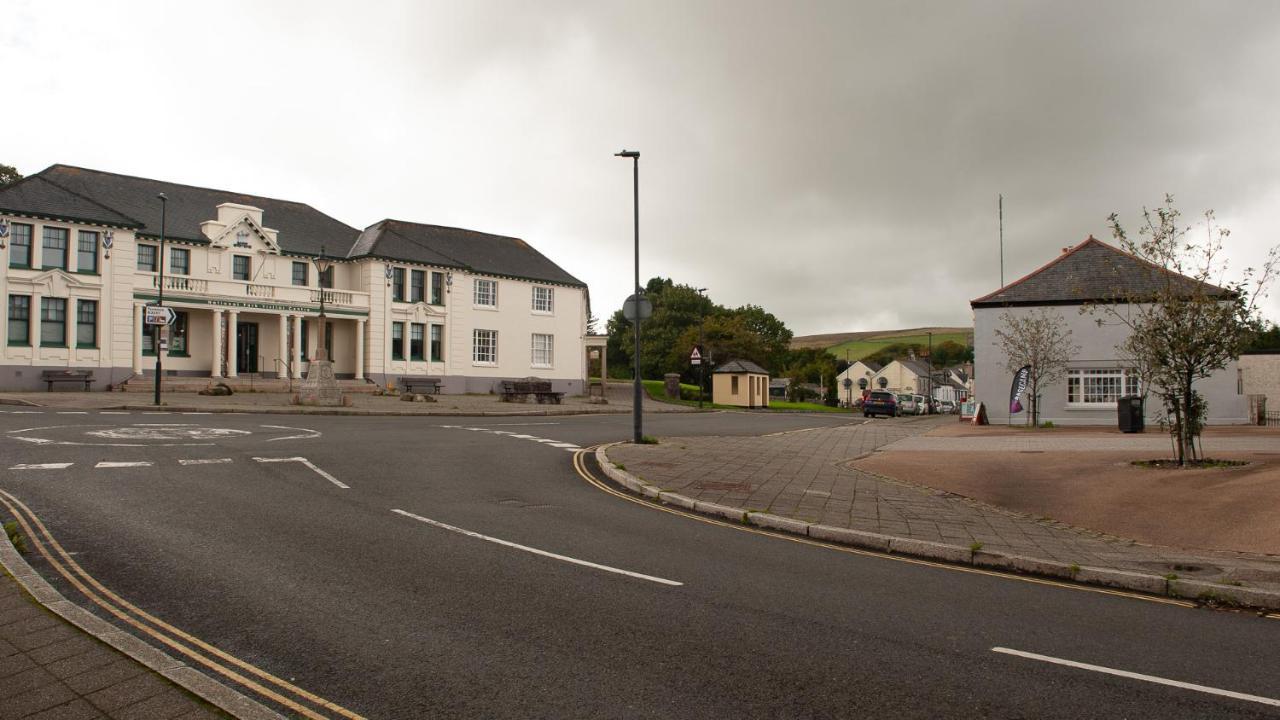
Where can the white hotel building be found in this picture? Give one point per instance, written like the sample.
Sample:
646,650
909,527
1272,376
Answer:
81,256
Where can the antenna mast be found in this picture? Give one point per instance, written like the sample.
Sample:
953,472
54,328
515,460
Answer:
1002,240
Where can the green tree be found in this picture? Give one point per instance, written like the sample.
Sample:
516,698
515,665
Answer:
8,174
1184,325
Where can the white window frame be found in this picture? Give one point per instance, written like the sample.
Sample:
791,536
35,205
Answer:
484,347
479,296
546,304
544,350
1085,388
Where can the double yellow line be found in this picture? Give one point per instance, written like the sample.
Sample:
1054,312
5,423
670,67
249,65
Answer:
262,682
579,464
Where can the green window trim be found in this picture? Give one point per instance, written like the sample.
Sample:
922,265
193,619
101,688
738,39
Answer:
86,347
87,272
53,345
26,344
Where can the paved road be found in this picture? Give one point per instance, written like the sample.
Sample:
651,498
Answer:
400,615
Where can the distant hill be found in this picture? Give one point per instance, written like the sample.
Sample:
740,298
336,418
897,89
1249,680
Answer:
861,344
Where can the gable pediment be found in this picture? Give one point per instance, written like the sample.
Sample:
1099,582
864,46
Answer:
243,231
54,282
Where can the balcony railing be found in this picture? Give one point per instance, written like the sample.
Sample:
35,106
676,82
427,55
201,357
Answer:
239,289
334,297
178,282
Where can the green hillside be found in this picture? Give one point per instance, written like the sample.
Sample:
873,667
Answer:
861,344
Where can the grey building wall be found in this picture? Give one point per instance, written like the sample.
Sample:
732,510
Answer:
1097,350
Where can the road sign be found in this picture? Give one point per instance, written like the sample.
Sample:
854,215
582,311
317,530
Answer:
159,315
629,308
695,357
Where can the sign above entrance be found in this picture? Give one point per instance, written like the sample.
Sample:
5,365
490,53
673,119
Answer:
159,315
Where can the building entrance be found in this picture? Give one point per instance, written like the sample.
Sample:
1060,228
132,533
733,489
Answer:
246,347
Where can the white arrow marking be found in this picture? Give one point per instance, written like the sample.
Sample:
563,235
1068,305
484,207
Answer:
308,463
535,551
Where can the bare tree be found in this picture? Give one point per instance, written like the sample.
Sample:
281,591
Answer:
1040,339
1185,320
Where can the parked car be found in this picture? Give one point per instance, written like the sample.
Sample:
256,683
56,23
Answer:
879,402
946,406
906,404
923,406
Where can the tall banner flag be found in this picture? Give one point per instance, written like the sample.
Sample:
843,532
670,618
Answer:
1019,386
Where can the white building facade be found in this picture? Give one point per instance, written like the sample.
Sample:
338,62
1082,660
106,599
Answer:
82,257
1096,377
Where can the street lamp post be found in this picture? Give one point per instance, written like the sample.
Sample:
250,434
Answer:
637,418
155,329
322,266
702,316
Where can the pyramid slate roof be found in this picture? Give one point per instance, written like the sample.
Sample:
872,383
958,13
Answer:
1092,271
463,249
741,366
71,193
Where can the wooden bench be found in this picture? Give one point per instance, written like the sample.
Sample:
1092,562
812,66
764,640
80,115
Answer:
79,376
542,392
520,390
420,386
515,391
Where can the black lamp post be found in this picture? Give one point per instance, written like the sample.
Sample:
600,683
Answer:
702,315
322,266
635,412
155,329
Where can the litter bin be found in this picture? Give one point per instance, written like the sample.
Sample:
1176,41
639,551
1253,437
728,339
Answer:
1130,411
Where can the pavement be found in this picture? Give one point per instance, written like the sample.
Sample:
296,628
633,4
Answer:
810,482
51,668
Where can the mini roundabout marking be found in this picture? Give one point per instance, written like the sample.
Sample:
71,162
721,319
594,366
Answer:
154,435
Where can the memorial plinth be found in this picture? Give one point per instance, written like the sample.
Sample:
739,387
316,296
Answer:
320,386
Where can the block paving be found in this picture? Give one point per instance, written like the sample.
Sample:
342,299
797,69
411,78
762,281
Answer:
51,670
805,475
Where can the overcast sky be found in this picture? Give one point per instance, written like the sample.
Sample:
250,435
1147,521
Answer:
837,163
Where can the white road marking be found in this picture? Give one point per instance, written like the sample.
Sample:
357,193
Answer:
1139,676
307,433
523,424
196,413
535,551
566,445
41,466
73,412
113,412
205,461
107,464
154,412
309,464
27,412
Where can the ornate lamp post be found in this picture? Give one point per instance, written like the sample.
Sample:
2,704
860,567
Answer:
322,266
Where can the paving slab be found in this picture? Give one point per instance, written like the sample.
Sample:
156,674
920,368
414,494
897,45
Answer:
813,478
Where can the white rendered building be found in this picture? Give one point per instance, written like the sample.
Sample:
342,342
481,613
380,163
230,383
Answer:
81,258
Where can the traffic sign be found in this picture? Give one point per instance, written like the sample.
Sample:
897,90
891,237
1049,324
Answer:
695,357
159,315
631,307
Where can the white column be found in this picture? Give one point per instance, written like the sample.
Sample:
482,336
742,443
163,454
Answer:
232,354
216,370
297,347
137,339
360,350
34,321
282,348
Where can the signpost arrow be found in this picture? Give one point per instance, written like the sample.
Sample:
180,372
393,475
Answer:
158,315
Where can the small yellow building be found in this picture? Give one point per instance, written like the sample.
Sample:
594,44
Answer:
742,383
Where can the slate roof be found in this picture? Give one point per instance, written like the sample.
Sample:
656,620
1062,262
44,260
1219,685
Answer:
1092,271
741,366
463,249
915,366
73,193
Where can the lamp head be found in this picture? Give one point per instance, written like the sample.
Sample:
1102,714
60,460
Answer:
628,154
163,197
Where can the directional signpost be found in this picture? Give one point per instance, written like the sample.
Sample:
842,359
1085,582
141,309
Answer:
695,358
633,308
158,315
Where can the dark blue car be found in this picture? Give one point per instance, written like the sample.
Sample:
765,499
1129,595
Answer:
879,402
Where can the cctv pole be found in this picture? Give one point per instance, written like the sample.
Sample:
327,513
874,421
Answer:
155,329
